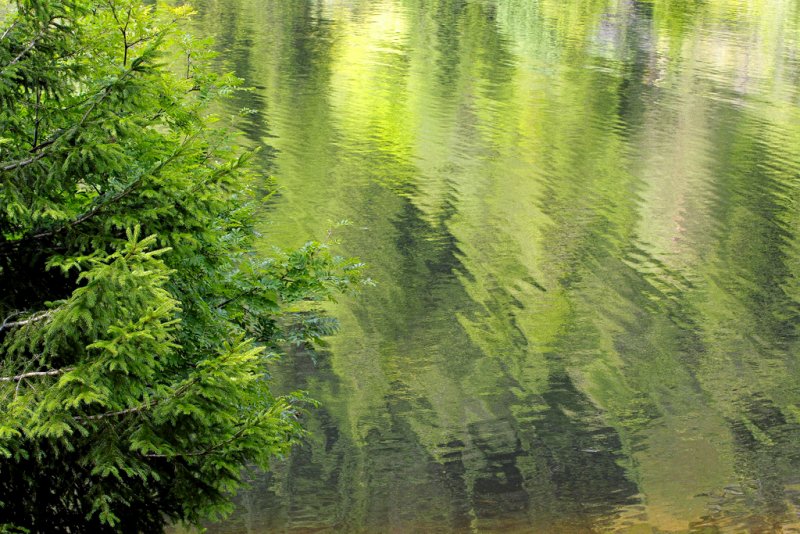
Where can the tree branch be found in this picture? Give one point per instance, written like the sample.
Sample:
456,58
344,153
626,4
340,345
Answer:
23,376
8,30
99,97
142,407
135,409
32,319
206,451
25,50
119,196
101,206
227,301
29,46
24,162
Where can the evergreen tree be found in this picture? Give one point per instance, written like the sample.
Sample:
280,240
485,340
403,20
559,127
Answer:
136,320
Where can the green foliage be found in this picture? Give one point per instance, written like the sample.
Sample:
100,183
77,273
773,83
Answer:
138,321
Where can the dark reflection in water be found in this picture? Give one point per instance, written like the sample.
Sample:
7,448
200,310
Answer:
582,216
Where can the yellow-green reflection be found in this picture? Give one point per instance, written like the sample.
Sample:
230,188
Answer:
582,217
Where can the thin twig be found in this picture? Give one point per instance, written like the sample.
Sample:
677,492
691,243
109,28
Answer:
30,45
237,297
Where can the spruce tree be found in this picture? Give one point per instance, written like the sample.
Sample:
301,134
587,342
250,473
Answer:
136,319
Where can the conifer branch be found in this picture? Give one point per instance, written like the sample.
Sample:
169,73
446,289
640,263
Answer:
92,212
99,97
138,350
119,196
24,162
142,407
126,411
207,451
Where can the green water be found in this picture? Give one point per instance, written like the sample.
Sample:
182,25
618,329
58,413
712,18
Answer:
582,217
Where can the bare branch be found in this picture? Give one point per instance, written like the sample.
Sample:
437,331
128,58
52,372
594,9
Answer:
30,46
8,30
25,50
33,374
237,297
144,39
32,319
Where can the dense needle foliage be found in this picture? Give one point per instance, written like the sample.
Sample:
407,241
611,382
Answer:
136,321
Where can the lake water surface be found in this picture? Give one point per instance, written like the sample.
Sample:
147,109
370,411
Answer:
583,219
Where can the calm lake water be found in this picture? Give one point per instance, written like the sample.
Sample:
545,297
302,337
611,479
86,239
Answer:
582,217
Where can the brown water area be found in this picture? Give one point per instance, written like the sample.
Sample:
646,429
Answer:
582,218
